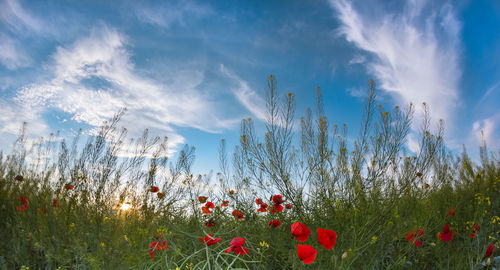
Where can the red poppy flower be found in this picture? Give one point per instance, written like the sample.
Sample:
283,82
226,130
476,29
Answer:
19,178
160,195
206,210
231,192
300,231
276,208
277,199
24,204
475,229
274,223
236,245
237,214
327,238
55,203
446,235
451,212
68,186
288,206
210,223
258,201
159,235
209,205
489,251
263,208
202,199
427,186
154,189
414,237
209,240
224,203
157,245
307,254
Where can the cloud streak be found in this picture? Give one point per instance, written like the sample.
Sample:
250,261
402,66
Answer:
95,77
412,54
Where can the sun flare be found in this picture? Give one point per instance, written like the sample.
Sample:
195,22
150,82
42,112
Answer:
125,206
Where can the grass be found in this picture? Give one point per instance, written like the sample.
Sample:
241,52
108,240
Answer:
370,192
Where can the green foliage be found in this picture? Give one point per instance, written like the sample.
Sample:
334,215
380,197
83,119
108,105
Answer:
369,191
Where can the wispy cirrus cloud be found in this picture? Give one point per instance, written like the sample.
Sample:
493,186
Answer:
413,54
250,99
94,78
168,13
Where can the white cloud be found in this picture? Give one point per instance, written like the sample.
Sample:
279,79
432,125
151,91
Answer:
95,77
486,129
413,54
246,95
18,19
357,59
172,12
11,54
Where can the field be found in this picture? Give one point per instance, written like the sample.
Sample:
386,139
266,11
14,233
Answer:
363,203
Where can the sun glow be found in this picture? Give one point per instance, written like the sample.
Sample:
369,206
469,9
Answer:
125,206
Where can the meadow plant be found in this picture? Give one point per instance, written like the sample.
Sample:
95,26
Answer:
302,194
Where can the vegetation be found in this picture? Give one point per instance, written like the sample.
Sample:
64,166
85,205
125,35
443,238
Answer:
368,203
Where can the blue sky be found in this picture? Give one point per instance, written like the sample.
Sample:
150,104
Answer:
191,70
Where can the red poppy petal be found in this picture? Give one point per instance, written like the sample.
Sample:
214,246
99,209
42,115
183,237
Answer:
327,238
306,253
237,242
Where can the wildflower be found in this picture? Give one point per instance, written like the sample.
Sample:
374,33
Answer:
374,239
277,199
159,235
68,186
474,228
231,192
19,178
157,245
427,186
288,206
276,208
57,192
451,212
206,210
446,235
55,203
274,223
224,203
24,205
300,231
489,251
414,237
202,199
264,244
307,254
210,223
209,205
327,238
154,189
237,214
263,208
258,201
161,195
209,240
236,245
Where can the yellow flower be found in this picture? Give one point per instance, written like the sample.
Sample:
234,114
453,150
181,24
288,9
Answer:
72,225
373,240
103,244
264,244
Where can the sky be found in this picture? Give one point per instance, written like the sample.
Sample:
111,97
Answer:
192,70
